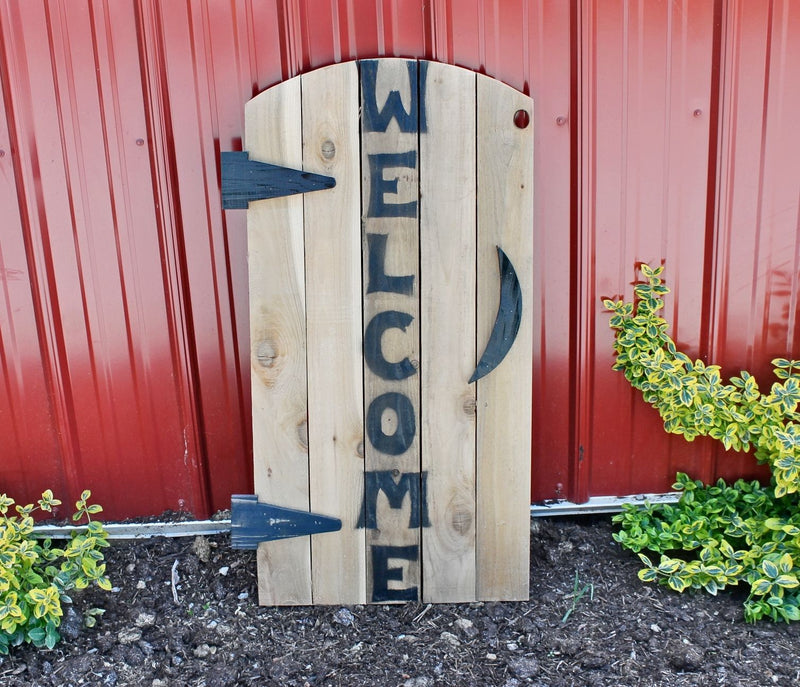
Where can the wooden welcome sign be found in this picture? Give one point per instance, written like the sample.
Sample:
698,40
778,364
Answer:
386,389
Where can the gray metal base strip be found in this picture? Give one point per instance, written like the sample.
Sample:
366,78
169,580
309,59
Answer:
193,528
598,504
142,530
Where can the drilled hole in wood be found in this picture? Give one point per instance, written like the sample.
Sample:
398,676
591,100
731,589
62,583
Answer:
521,119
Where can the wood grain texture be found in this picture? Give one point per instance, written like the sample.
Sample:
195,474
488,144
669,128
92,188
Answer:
402,259
505,217
370,303
333,306
277,344
447,246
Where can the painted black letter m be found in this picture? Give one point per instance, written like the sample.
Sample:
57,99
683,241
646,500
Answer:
414,484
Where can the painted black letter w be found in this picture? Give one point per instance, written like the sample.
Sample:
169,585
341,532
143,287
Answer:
378,119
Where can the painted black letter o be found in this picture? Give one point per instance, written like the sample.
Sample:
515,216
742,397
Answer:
399,442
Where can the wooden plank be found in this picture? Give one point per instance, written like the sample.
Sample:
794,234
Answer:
505,219
333,305
277,348
394,496
447,247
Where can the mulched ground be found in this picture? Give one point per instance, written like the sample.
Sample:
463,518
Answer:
620,632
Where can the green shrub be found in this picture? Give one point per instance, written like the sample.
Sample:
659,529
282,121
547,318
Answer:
719,536
740,533
35,576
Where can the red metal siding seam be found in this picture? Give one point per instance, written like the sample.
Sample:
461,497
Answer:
163,184
754,266
39,264
645,72
25,411
582,250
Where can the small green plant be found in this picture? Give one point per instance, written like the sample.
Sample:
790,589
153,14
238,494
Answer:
720,535
578,593
90,616
35,576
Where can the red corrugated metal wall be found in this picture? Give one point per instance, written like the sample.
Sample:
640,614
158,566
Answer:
664,131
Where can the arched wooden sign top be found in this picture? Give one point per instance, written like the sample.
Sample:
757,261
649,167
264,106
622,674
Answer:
374,305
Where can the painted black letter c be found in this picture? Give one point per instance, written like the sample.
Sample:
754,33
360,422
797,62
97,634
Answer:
391,319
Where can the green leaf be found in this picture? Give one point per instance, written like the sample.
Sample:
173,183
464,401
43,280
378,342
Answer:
769,568
761,587
774,523
51,638
677,583
686,396
668,566
790,612
646,560
787,581
648,575
734,570
37,635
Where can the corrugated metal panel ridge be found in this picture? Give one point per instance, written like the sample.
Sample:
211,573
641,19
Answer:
25,418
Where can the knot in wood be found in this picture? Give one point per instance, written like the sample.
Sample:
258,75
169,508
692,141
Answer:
302,433
461,521
266,354
328,149
469,406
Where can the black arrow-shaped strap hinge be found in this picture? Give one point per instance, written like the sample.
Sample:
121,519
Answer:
253,522
245,180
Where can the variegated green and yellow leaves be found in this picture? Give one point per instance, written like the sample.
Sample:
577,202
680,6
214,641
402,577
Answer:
691,396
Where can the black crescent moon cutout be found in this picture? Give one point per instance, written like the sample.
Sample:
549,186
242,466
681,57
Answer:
506,324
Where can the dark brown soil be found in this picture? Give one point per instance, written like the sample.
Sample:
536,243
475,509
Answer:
620,632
